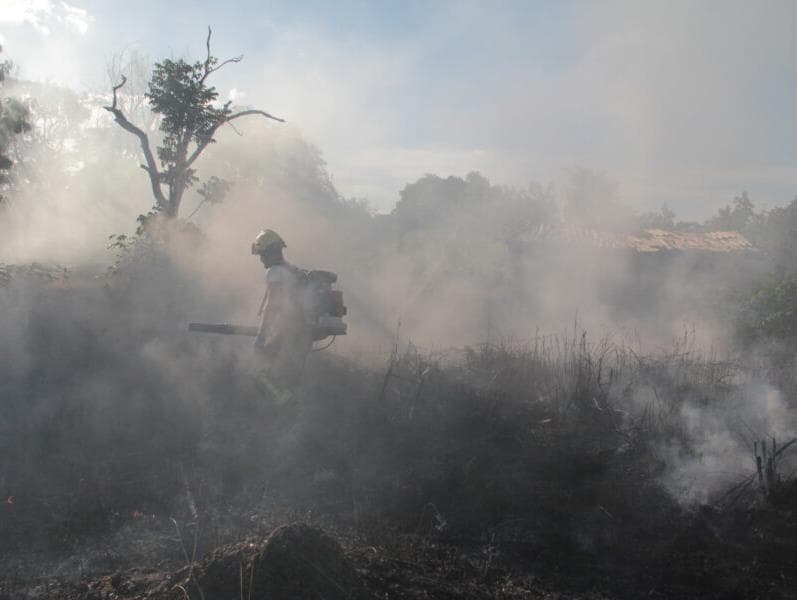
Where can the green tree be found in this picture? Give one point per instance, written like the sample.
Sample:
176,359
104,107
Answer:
772,310
180,95
663,219
434,204
778,237
739,216
13,121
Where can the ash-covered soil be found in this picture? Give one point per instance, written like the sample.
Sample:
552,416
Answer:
739,554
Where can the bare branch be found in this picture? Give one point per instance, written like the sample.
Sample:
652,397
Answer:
244,113
207,60
237,131
115,89
151,168
201,147
208,69
200,205
235,59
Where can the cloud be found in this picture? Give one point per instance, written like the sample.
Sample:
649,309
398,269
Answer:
45,15
236,95
77,18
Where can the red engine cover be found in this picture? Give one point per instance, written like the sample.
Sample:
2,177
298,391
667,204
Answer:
336,306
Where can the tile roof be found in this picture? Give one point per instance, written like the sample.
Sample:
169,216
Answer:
647,240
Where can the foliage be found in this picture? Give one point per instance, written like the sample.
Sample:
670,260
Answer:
468,211
772,310
213,191
778,236
773,231
55,143
740,216
664,219
13,121
457,230
179,94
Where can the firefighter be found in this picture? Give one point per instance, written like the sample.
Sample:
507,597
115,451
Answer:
284,337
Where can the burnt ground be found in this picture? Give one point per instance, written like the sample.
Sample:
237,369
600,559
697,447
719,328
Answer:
708,553
156,465
504,523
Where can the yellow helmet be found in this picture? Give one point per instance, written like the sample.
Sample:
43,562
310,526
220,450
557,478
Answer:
267,240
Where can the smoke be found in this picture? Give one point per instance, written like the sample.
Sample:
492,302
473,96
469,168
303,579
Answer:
75,181
459,261
461,242
470,258
720,452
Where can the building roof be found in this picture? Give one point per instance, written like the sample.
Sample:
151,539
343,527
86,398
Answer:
645,241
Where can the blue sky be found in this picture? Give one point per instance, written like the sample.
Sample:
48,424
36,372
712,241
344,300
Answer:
687,103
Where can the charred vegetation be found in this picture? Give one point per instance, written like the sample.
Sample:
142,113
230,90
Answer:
503,470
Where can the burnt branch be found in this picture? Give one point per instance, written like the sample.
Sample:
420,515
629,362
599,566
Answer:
237,131
234,59
209,139
209,56
115,89
151,167
207,45
253,111
209,59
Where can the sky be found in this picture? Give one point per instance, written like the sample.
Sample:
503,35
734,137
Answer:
683,103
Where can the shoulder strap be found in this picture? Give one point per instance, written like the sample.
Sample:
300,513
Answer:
300,274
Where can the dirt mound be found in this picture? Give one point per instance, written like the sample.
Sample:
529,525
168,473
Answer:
295,561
